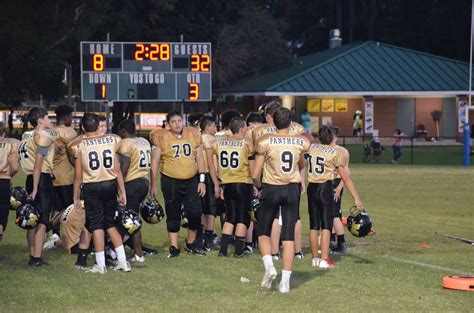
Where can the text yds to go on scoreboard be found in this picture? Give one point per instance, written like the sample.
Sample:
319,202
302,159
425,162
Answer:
146,71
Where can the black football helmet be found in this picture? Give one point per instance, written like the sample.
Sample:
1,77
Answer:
127,221
151,211
255,206
18,197
359,222
28,216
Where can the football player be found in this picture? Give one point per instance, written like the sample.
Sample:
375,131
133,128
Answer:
338,186
102,130
281,156
135,159
253,120
36,160
233,165
177,152
324,161
8,169
269,128
208,130
98,169
63,171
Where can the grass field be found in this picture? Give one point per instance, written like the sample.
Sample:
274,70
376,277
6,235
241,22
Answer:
385,272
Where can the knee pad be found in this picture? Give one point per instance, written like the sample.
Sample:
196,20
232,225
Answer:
194,223
172,226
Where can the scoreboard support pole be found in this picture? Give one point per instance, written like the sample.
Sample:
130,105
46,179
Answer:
108,105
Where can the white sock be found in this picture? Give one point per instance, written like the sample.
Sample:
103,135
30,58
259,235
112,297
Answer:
267,262
100,258
285,277
121,254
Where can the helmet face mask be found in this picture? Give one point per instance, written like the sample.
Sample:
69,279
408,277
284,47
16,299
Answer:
28,216
359,223
127,221
18,197
151,211
255,206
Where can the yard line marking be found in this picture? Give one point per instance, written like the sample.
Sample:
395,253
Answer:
426,223
433,266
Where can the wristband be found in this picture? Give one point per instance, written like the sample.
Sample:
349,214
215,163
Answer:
202,177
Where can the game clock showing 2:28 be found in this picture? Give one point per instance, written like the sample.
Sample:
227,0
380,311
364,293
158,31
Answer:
146,71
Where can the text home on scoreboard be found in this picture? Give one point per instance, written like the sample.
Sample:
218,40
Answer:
146,71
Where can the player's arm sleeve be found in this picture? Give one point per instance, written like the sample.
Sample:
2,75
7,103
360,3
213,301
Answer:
260,147
250,149
43,141
68,135
13,153
155,140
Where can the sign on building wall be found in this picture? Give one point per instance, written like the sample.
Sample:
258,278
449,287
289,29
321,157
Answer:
314,105
327,105
369,117
341,105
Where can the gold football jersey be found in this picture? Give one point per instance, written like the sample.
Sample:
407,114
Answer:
71,226
207,142
233,159
139,151
8,152
344,157
178,152
98,154
62,169
29,147
260,130
323,162
282,154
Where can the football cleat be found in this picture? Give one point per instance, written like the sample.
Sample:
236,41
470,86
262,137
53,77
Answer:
50,244
248,249
276,257
27,216
137,259
340,248
315,262
37,263
359,222
97,269
127,221
284,288
326,263
81,262
123,266
194,249
174,252
151,211
268,278
299,255
18,197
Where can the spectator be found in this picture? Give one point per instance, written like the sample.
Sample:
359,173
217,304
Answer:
357,125
10,122
24,119
376,150
163,125
306,121
397,145
294,118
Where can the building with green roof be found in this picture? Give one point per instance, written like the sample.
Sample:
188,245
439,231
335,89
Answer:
394,88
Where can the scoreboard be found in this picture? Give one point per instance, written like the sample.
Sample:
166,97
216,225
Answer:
146,71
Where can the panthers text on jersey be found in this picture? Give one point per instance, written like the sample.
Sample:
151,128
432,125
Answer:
282,154
97,155
31,142
8,152
233,159
178,152
62,169
260,130
138,150
323,162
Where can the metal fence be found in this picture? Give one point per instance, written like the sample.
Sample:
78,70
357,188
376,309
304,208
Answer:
414,150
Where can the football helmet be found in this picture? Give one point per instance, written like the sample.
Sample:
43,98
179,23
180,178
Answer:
18,197
127,221
151,211
255,206
359,222
27,216
69,211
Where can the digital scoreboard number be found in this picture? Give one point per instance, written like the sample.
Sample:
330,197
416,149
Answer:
146,71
